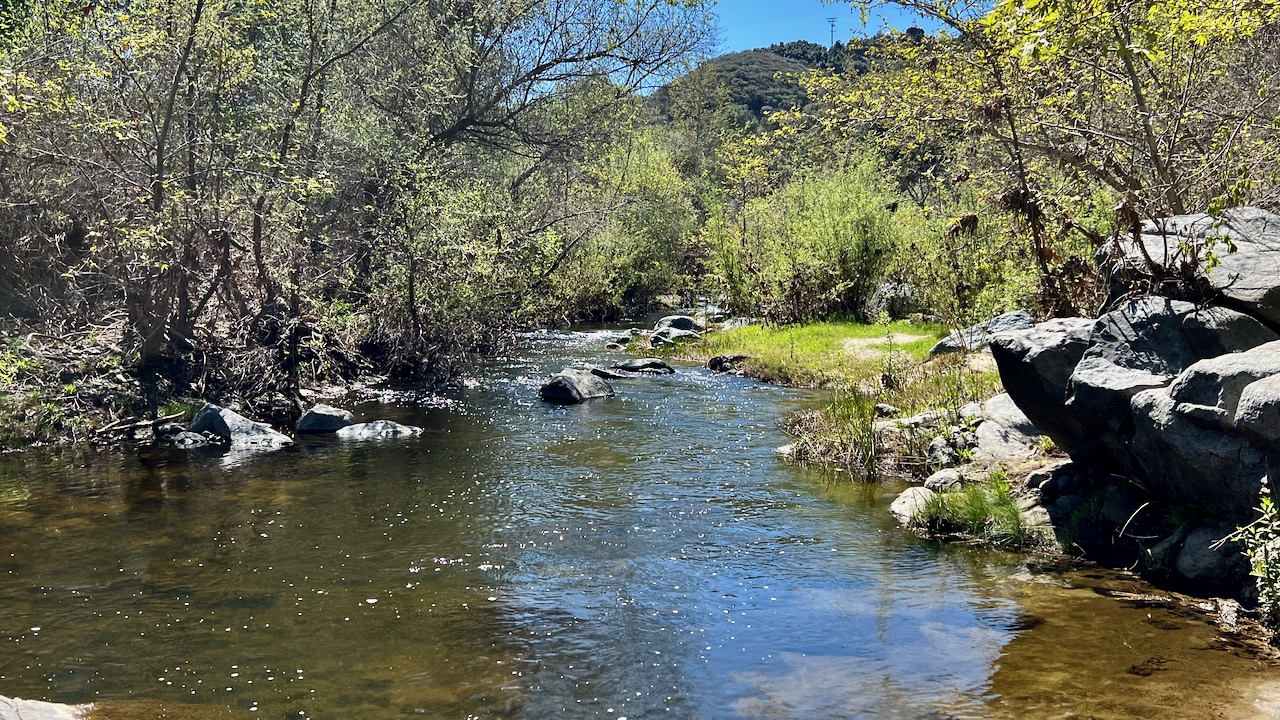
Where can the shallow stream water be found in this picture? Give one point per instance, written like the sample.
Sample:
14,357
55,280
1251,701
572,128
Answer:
640,557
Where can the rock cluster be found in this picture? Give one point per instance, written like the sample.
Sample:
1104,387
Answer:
575,385
1181,398
239,436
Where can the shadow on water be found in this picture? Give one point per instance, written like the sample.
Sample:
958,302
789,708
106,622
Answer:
639,557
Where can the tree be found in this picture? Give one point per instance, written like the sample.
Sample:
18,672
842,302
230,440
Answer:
232,168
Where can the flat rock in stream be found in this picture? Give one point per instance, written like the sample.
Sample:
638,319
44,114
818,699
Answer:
240,431
19,709
377,430
645,365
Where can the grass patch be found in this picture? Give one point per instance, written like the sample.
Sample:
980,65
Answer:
865,365
985,511
818,354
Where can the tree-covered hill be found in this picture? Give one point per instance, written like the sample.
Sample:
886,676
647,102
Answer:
751,83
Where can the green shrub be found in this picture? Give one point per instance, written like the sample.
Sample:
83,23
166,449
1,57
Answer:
816,247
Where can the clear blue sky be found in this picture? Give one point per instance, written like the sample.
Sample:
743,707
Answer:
747,24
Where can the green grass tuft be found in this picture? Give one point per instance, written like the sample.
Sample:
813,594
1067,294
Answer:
985,511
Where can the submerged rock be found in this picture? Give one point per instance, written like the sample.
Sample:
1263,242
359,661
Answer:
324,419
184,439
572,385
377,430
604,373
241,432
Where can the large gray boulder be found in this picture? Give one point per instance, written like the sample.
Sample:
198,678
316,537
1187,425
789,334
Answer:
1210,389
1133,395
975,337
1214,331
1245,279
238,430
1137,346
377,430
1035,367
1258,411
1144,334
325,419
573,385
1006,435
1099,397
1183,462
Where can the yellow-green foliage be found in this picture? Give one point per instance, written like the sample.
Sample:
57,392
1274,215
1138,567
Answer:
817,246
645,247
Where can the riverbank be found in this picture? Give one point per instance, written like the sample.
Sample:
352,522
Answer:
980,471
85,386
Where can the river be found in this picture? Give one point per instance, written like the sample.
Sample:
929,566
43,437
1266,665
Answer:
639,557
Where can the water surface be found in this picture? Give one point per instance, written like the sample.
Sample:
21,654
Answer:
640,557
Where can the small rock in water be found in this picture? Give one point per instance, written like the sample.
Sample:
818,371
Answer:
325,418
725,363
243,433
603,373
377,430
910,504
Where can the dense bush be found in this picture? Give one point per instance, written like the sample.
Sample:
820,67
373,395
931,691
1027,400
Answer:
817,246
